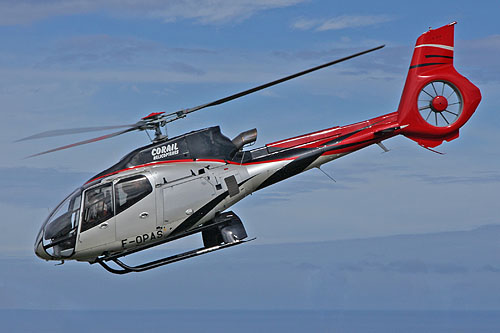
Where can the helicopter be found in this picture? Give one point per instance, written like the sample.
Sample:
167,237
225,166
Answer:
184,185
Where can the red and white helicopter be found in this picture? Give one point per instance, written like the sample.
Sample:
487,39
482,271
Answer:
175,187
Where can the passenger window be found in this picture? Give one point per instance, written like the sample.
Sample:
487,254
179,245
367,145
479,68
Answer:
128,191
98,206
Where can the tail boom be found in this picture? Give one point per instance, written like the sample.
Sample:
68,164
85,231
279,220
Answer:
436,101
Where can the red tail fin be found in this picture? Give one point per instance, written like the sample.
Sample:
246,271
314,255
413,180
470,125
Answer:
436,99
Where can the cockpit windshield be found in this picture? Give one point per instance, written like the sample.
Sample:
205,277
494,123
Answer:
59,230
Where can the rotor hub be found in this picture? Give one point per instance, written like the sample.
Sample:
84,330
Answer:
439,103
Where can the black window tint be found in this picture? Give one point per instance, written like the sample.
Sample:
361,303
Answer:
128,191
98,206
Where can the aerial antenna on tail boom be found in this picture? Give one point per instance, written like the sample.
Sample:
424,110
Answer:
155,121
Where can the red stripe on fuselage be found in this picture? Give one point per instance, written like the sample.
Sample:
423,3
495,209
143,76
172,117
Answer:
318,138
186,161
311,140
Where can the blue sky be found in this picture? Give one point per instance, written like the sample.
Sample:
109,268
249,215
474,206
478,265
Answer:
70,64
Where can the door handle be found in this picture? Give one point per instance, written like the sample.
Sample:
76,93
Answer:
143,215
103,225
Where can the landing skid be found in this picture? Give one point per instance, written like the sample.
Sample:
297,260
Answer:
165,261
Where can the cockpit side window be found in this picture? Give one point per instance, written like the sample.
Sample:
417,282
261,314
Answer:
130,190
98,206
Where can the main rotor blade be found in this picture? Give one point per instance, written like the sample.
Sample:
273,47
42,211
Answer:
67,131
107,136
267,85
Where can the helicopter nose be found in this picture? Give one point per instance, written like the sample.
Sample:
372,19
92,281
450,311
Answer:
39,250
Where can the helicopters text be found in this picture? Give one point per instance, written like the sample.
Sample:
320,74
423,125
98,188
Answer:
175,187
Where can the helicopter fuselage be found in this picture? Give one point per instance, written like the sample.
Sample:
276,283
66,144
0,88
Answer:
168,189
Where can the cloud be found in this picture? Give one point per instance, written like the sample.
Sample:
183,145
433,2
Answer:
490,268
341,22
408,266
105,51
479,178
201,11
305,24
416,266
37,187
479,58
